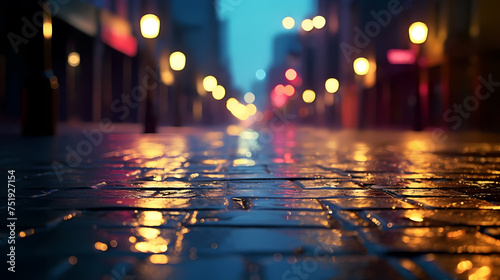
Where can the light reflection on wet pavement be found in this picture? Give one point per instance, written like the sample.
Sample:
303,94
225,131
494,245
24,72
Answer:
303,204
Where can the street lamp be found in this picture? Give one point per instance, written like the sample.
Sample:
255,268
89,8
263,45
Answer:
418,32
150,28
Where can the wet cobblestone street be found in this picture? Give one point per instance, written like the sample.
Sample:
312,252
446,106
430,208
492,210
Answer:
302,203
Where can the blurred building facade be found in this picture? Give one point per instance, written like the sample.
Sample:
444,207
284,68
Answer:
450,80
116,63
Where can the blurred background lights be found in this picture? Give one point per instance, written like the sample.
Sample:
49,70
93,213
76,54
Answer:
288,23
167,77
47,29
279,89
251,109
150,26
219,92
231,103
319,22
209,83
418,32
249,97
74,59
290,74
289,90
260,74
307,25
332,85
177,61
308,96
361,66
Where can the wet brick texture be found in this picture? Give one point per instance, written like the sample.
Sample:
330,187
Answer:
301,204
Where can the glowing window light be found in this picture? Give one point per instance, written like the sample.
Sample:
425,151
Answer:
418,32
319,22
288,23
361,66
209,83
308,96
150,26
332,85
291,74
177,61
219,92
307,25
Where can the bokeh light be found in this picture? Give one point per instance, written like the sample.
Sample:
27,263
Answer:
219,92
279,89
291,74
332,85
251,109
289,90
307,25
150,26
288,23
260,74
319,22
308,96
47,29
361,66
177,61
209,83
249,97
418,32
231,103
74,59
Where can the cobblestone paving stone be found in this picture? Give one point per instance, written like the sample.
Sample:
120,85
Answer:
303,204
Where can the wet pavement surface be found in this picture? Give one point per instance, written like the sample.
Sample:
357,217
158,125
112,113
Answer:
301,203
